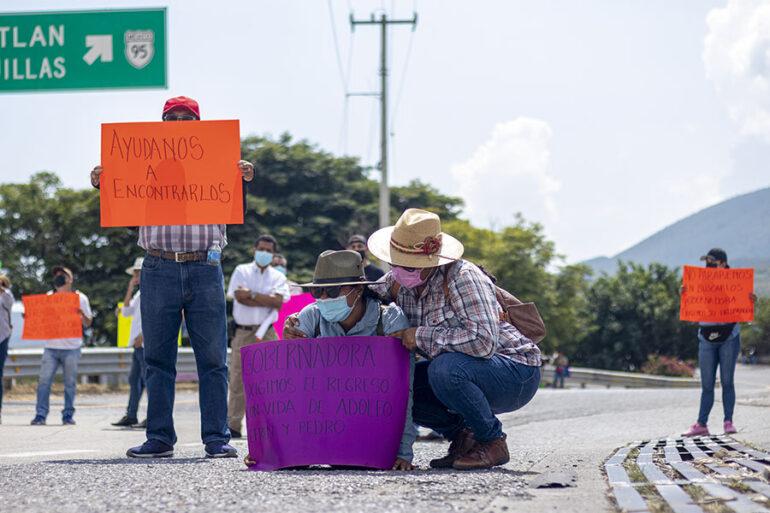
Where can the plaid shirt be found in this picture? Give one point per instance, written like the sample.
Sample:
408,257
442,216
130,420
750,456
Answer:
182,239
468,321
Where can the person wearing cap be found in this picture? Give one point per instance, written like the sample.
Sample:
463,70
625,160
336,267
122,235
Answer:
357,243
179,279
136,376
61,352
345,307
477,365
718,345
257,291
6,327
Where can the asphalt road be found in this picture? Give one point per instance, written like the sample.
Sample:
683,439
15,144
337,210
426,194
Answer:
82,468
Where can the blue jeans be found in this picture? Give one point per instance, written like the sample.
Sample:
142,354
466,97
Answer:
197,289
711,354
136,381
455,390
3,355
52,359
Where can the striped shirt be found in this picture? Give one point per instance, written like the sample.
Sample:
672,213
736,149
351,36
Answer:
182,239
468,321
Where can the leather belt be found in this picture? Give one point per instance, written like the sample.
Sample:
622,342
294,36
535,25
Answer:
248,328
191,256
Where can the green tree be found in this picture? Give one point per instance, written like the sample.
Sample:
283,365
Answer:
633,314
43,224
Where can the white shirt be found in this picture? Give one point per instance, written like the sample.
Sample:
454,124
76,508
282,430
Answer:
267,281
134,311
71,343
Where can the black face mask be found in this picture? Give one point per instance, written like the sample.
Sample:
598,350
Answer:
362,253
712,264
59,280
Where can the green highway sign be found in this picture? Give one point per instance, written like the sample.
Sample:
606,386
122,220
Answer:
82,50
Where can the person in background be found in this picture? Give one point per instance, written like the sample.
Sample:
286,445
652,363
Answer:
718,345
345,307
560,364
258,290
6,327
182,279
281,265
64,352
357,243
132,308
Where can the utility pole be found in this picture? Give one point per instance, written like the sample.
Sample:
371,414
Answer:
383,22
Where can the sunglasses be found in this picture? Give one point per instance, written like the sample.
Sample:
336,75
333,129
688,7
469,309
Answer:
179,117
332,292
407,269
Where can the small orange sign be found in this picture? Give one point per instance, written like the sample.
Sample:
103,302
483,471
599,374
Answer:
717,295
171,173
51,316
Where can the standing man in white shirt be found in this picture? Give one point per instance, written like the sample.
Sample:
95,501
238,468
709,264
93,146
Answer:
258,290
64,352
131,308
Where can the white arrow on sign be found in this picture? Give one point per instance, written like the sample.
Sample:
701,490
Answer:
100,47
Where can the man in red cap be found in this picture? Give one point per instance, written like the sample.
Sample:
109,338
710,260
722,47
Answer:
178,280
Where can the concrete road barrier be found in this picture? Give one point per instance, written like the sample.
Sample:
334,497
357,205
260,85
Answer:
584,376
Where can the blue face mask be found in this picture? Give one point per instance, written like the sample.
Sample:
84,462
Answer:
263,258
335,310
281,269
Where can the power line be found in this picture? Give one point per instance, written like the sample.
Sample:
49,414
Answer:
337,47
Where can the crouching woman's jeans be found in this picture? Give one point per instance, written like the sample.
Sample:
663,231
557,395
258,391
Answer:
455,390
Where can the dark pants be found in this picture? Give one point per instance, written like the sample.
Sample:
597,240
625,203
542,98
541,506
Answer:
710,355
136,382
3,355
455,390
197,289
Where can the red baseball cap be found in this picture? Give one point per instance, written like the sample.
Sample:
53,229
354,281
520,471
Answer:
182,102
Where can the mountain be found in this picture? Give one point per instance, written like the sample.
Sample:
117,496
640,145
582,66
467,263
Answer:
739,225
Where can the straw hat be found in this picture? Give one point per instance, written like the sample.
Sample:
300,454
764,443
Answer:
338,268
415,241
136,267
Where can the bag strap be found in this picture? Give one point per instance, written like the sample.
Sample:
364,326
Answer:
380,326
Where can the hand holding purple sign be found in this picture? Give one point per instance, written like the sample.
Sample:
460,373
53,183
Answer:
323,401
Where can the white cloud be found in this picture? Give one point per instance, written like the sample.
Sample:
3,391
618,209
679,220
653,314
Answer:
509,173
736,55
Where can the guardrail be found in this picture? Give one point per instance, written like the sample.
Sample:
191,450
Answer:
94,361
583,377
113,361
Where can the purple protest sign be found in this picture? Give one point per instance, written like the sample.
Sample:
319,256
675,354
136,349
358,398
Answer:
325,401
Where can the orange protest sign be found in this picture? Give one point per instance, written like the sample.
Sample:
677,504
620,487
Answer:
49,316
171,173
717,295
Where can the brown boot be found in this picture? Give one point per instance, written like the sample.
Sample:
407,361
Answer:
462,443
484,455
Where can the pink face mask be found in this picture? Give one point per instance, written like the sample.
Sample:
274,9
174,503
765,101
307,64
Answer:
408,279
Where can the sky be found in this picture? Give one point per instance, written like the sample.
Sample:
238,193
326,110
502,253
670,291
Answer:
604,121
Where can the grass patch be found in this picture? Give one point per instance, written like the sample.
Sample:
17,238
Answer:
649,493
705,501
